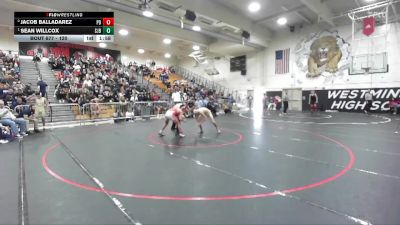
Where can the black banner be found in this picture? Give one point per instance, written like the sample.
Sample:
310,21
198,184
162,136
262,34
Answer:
60,30
66,49
63,14
352,100
57,22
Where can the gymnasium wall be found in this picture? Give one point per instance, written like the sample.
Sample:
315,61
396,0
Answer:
146,58
7,39
233,80
261,65
297,78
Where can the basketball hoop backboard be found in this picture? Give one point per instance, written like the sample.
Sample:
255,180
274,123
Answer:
370,30
368,63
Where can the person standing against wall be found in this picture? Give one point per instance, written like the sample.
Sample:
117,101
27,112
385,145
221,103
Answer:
278,103
313,101
265,101
285,99
368,100
231,101
250,101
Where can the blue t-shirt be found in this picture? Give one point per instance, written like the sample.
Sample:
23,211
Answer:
42,86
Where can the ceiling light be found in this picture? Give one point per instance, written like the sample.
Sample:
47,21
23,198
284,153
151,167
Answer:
196,47
282,21
167,41
254,7
102,45
140,51
167,55
148,13
196,28
123,32
369,0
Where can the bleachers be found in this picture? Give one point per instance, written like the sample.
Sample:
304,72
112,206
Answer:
156,80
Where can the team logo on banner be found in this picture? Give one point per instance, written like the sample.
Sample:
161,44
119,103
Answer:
368,25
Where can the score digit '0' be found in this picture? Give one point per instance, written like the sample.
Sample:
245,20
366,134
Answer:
108,21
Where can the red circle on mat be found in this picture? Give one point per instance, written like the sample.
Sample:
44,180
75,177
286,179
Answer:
239,137
349,165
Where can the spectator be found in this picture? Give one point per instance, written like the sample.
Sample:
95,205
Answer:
313,101
250,101
155,97
87,83
265,101
82,100
19,87
278,103
4,134
94,109
176,97
271,104
231,101
42,87
285,99
368,101
8,119
39,52
394,105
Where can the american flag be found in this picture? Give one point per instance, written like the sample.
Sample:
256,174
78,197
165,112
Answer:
282,61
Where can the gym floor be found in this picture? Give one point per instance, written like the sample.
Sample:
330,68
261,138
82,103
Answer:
325,168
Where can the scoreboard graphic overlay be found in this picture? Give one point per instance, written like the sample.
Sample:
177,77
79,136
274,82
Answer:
64,26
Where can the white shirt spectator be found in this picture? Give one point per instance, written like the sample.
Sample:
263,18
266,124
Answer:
77,67
185,97
368,96
176,96
87,83
6,114
76,80
133,98
9,55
